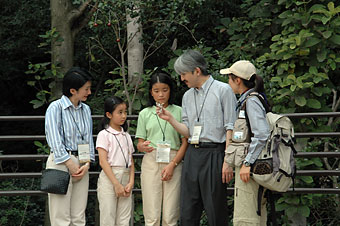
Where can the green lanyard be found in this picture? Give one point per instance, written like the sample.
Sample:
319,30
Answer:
163,131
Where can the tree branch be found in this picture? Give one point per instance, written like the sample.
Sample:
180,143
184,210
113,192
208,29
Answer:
336,103
100,45
76,13
147,56
81,11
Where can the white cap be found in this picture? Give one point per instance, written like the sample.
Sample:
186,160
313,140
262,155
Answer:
242,68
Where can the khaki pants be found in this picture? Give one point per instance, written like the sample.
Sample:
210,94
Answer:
114,210
69,209
160,196
245,203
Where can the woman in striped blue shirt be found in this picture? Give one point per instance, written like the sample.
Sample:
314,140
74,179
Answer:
68,128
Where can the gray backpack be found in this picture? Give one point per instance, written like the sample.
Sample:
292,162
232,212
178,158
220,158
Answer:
275,167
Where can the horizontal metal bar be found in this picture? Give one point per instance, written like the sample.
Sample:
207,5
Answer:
42,117
43,137
317,155
314,190
22,137
38,175
40,193
140,155
33,137
22,118
230,191
312,114
137,173
43,157
318,172
319,134
134,117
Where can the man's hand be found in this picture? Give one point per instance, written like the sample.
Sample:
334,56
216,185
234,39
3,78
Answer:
227,173
164,114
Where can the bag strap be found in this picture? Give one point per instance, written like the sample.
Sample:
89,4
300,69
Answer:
259,199
271,200
244,107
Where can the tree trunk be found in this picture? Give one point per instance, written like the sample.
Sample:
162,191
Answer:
62,48
135,48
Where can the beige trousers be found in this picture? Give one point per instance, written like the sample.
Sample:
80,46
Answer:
69,209
158,196
114,210
245,203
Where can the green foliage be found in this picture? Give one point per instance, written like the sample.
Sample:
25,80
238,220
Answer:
43,75
21,210
294,44
303,57
42,148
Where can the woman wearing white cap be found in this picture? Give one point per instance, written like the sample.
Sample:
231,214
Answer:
244,81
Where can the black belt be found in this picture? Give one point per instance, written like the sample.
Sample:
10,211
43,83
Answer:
74,152
207,145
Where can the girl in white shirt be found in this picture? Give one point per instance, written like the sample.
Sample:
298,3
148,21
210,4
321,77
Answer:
116,179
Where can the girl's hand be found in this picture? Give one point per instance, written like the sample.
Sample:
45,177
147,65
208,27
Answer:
144,147
245,173
168,172
128,188
119,190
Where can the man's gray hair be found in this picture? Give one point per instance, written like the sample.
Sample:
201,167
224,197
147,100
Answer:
189,61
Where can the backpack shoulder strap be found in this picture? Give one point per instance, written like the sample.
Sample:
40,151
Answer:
265,105
263,101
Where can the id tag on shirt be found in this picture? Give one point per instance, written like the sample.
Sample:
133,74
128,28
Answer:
163,151
84,153
242,114
195,139
238,135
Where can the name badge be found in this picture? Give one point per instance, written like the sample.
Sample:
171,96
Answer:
242,114
238,135
163,151
84,153
195,139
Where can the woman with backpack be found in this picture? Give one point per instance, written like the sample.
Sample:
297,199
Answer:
246,147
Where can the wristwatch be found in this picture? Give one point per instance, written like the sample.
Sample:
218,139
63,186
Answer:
246,163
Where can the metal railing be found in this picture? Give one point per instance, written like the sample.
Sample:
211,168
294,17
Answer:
18,157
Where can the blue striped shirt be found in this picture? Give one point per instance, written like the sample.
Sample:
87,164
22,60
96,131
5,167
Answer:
66,126
259,126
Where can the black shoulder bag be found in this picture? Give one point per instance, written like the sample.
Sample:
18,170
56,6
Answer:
53,180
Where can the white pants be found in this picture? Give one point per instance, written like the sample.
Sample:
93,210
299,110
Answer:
245,203
69,209
160,196
114,210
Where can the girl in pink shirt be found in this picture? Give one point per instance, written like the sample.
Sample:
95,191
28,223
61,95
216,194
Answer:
116,179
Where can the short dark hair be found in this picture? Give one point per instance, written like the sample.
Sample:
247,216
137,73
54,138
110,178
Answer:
161,77
110,105
75,78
